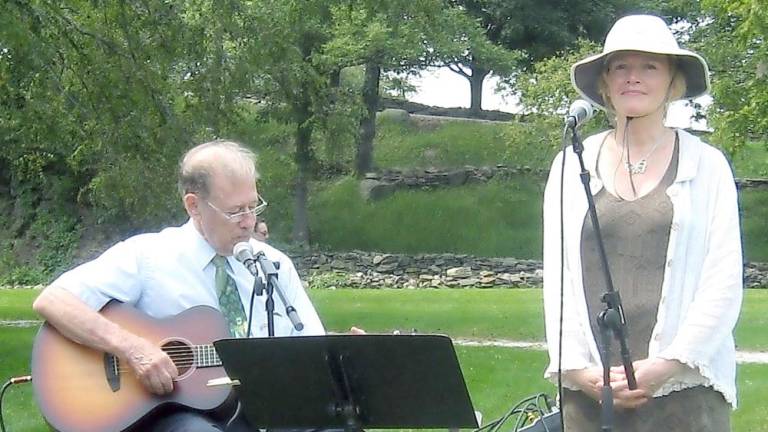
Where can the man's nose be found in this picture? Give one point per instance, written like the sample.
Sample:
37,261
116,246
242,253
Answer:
248,221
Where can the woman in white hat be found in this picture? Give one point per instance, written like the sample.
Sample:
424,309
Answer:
667,207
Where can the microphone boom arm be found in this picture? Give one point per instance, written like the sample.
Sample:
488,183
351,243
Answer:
270,274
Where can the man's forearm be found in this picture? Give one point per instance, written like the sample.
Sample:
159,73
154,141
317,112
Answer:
78,322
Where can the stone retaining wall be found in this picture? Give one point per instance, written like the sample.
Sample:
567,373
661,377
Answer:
375,270
379,185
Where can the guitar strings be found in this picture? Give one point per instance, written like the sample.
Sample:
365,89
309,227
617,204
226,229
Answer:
184,356
186,364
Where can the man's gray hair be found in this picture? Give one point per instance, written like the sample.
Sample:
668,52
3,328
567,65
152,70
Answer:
225,157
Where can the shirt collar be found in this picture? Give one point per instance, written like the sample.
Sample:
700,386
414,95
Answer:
690,153
200,251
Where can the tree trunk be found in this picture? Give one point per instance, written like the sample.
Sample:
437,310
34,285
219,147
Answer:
364,162
476,87
303,159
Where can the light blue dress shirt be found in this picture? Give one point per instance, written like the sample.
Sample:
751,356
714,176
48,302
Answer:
165,273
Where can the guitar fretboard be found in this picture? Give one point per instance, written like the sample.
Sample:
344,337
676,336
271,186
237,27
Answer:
195,355
206,356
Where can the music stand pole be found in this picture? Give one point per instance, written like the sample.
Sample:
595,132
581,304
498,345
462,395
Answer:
611,319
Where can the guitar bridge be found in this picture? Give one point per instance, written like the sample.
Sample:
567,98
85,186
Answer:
111,371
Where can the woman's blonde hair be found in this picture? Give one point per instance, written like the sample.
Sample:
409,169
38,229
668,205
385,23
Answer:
676,91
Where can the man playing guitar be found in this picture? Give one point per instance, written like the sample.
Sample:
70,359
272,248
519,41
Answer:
165,273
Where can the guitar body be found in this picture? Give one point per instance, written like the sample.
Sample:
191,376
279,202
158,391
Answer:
79,389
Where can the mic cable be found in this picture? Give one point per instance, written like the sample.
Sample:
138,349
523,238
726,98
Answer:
6,386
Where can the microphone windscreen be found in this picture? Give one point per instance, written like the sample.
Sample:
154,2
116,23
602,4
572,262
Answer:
242,251
582,110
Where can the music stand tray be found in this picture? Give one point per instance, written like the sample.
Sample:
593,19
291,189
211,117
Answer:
349,381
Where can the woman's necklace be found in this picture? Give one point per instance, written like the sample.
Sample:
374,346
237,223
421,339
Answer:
640,166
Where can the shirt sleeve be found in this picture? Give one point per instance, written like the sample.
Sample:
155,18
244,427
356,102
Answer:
113,275
300,300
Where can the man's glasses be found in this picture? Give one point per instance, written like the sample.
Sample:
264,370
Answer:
238,216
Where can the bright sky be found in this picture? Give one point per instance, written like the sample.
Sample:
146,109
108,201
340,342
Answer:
441,87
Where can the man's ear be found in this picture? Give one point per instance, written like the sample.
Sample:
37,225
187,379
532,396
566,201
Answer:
192,205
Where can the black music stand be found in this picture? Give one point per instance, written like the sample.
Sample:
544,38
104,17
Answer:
349,381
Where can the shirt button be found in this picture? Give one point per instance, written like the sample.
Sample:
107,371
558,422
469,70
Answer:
669,263
657,337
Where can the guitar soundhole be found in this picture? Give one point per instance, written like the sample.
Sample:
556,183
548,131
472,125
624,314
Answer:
181,354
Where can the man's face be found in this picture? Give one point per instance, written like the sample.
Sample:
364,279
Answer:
223,218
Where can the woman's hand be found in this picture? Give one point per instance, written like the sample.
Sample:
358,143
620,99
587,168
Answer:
589,380
650,374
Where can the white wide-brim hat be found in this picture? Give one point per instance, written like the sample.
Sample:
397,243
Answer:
643,33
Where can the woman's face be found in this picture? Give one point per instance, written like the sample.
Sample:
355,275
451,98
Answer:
638,83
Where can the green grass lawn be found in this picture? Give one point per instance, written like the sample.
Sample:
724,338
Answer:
486,313
476,313
481,313
497,378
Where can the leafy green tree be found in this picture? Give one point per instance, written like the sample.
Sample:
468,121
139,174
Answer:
399,36
523,32
284,42
733,42
83,86
99,99
546,88
545,92
533,29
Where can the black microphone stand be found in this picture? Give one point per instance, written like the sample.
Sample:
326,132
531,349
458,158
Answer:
258,289
269,269
611,320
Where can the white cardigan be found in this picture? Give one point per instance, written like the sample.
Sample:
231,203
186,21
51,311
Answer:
702,287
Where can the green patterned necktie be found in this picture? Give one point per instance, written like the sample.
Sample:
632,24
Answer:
229,300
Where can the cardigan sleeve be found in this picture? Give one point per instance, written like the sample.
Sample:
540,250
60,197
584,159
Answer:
712,314
575,348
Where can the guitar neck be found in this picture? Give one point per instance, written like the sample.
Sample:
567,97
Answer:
204,356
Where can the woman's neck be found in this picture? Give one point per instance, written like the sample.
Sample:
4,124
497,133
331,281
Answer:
641,132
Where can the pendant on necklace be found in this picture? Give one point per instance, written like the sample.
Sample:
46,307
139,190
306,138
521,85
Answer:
637,168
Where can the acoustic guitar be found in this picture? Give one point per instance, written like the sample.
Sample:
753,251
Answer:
79,389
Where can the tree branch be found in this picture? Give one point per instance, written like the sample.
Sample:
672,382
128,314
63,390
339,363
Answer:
455,67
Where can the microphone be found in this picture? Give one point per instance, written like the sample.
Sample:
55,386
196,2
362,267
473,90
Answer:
579,113
244,254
